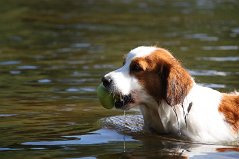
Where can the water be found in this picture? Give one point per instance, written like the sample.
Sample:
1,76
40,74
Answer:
54,53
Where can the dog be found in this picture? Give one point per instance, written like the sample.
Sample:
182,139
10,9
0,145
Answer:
169,98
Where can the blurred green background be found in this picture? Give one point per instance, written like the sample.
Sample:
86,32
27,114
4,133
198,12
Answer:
53,54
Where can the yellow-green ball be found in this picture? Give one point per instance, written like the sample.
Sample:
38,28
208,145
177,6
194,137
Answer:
105,97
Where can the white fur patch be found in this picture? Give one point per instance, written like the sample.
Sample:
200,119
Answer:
140,51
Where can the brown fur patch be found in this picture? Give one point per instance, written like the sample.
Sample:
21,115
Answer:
229,106
162,76
236,149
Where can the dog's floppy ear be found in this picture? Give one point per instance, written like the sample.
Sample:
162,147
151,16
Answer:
176,83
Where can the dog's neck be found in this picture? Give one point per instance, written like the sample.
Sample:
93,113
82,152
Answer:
163,118
152,119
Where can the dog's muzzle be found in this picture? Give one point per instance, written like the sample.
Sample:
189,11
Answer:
121,101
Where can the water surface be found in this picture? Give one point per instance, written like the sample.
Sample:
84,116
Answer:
54,53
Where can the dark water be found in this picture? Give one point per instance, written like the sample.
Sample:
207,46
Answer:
54,52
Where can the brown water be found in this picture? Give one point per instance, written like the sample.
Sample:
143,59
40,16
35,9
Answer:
53,54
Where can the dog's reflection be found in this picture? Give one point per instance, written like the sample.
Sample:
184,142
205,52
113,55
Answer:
163,146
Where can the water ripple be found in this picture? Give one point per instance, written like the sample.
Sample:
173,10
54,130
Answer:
7,115
10,62
235,30
82,90
44,81
27,67
226,47
15,72
208,73
229,58
202,37
8,149
101,136
213,85
103,66
95,27
81,45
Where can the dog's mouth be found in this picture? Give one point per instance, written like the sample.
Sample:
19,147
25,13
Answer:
123,101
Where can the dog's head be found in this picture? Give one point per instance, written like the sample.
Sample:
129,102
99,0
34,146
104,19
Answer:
148,74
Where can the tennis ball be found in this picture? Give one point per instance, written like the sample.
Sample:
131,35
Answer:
105,97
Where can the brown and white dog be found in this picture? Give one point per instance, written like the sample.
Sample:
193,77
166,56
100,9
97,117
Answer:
169,98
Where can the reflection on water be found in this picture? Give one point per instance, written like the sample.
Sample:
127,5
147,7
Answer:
54,53
101,136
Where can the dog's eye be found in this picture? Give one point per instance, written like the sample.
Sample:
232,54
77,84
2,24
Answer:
136,68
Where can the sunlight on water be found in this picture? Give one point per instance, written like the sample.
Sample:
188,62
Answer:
102,136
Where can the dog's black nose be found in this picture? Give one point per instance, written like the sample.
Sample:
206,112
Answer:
106,81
